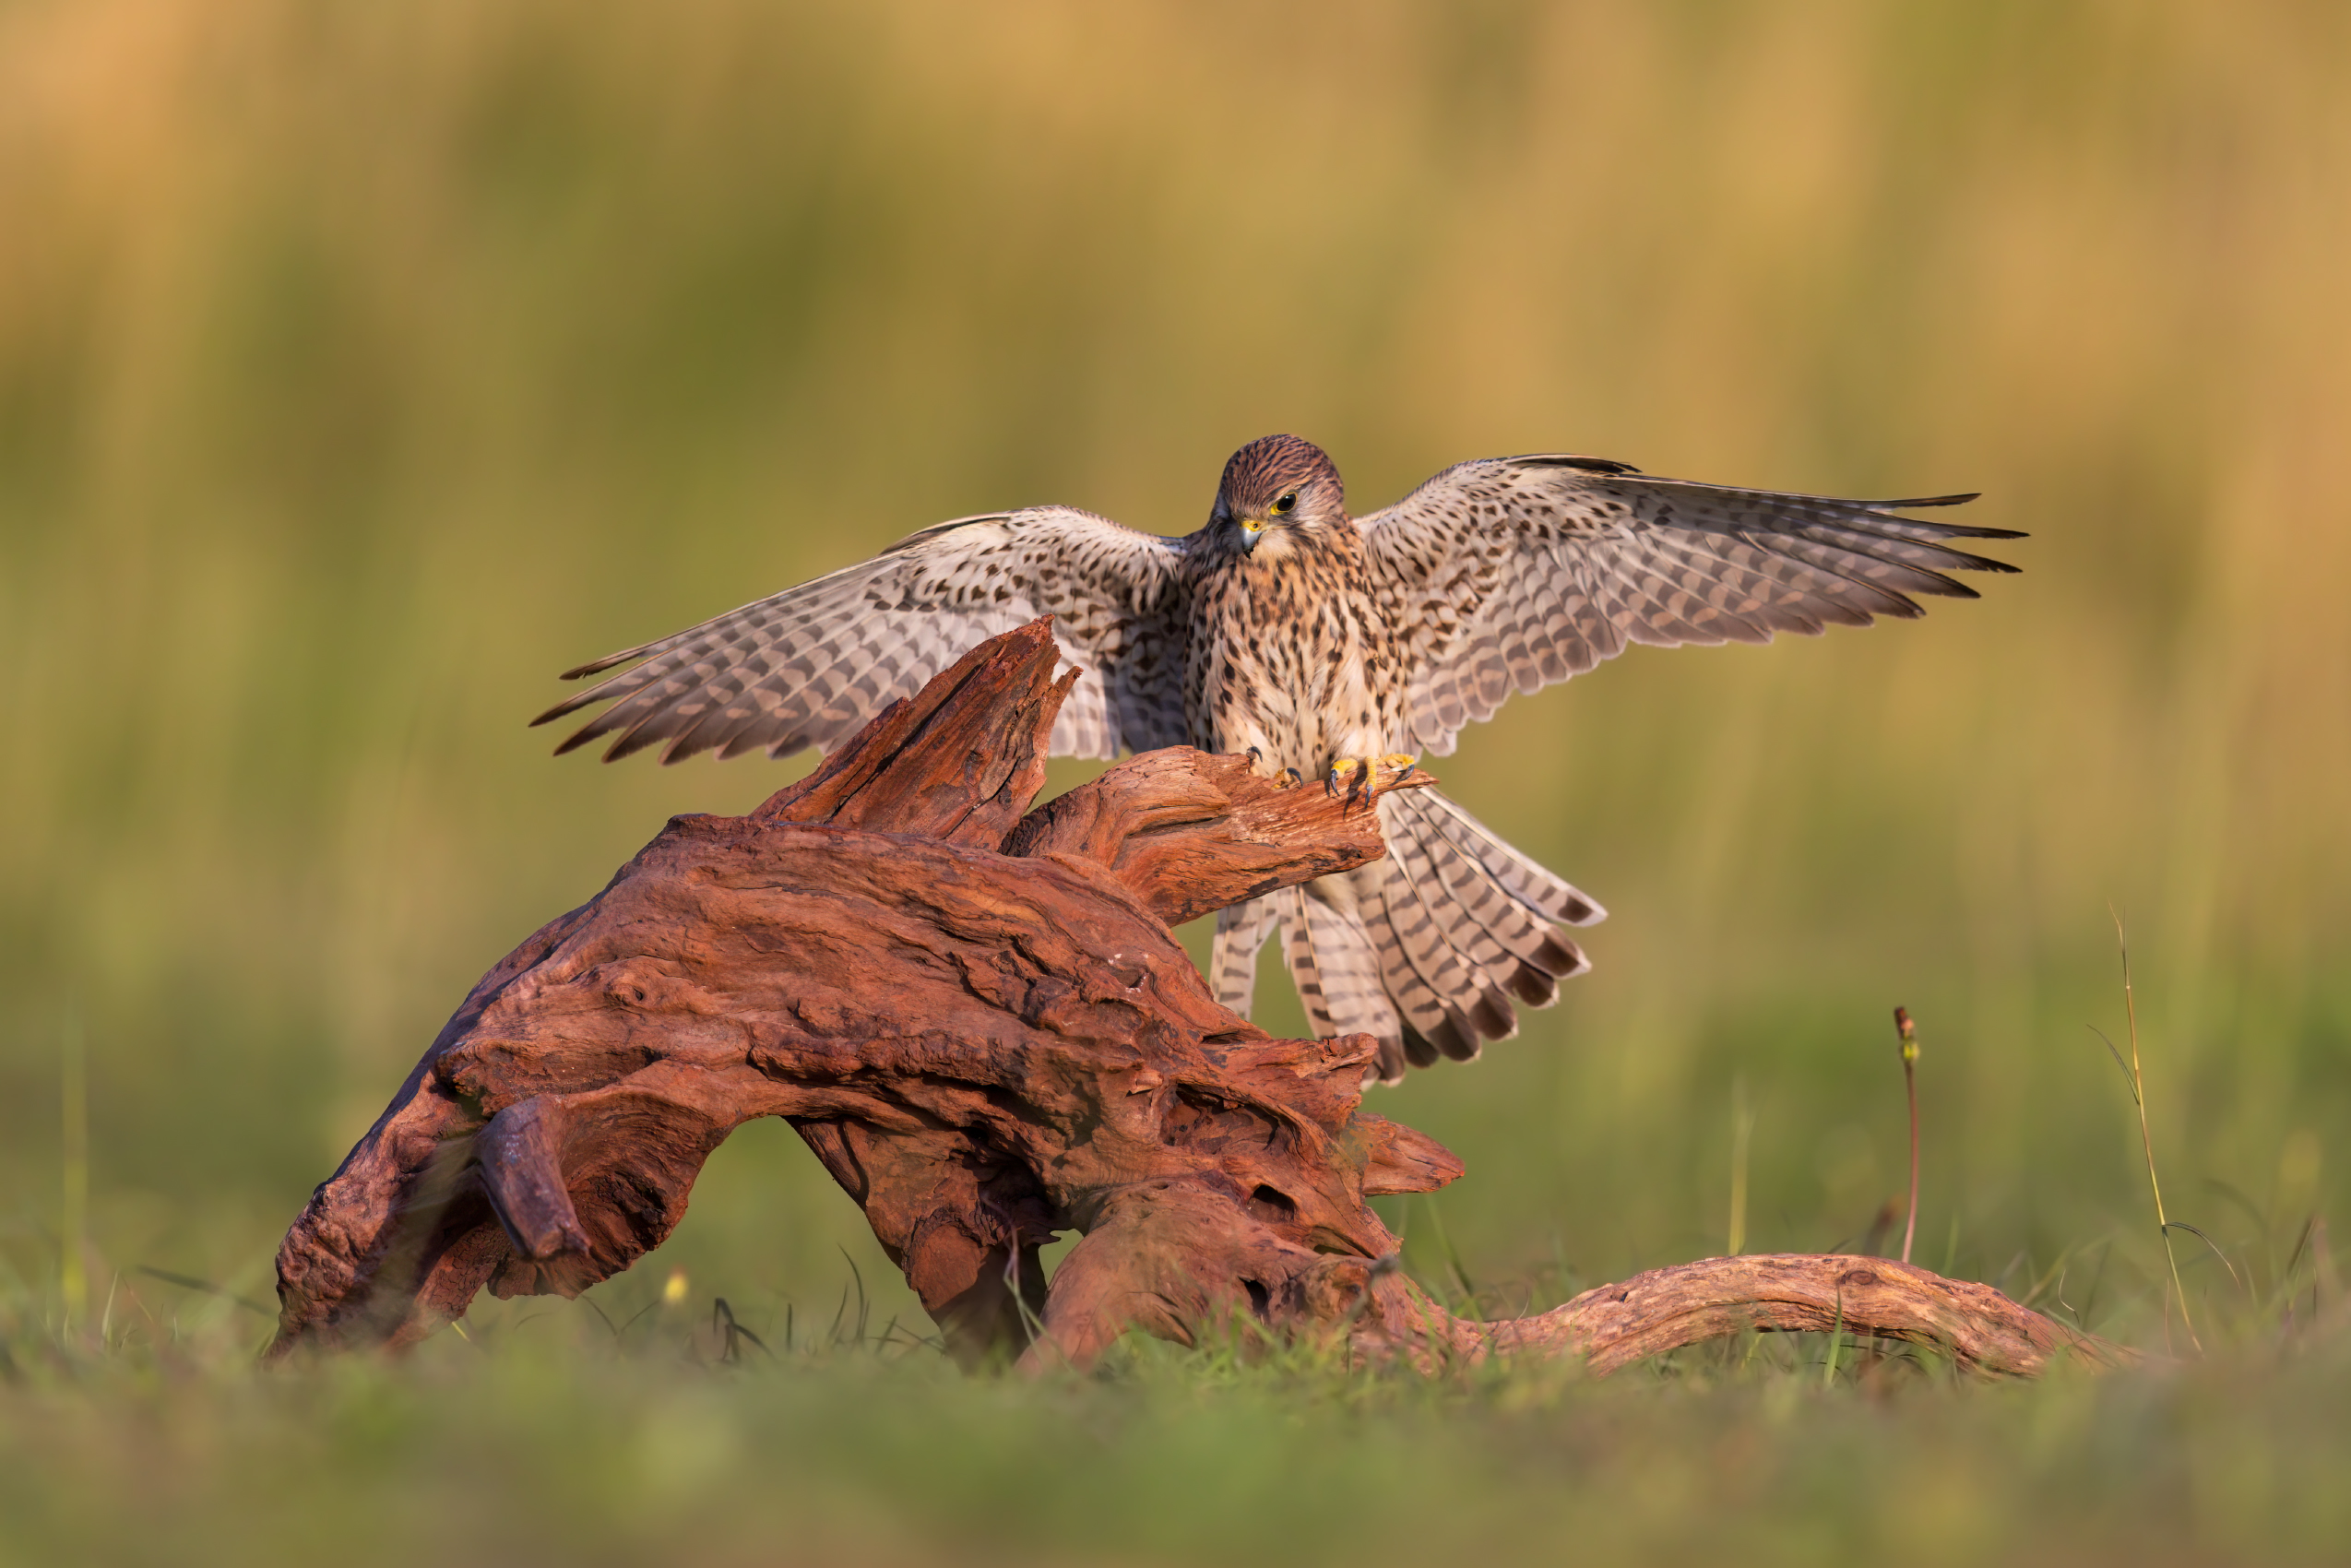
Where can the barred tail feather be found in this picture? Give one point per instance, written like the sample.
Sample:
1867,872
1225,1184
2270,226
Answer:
1502,918
1433,941
1232,955
1333,963
1392,914
1432,949
1463,924
1530,883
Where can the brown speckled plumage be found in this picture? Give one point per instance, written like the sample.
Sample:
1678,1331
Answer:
1288,627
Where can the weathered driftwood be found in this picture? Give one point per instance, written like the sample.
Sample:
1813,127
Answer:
978,1018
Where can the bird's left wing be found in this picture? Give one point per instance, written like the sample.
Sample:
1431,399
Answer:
810,665
1511,572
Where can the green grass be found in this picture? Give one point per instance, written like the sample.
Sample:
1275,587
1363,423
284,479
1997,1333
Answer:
361,367
552,1432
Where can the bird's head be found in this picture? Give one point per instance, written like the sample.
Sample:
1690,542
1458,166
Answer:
1276,484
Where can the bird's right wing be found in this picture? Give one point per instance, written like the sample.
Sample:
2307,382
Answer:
810,665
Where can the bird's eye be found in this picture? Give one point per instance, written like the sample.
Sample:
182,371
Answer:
1282,507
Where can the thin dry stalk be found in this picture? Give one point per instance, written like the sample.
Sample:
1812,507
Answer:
2146,1139
1742,1128
73,1270
1909,1036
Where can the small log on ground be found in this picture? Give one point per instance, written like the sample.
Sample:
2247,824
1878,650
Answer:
978,1018
1614,1326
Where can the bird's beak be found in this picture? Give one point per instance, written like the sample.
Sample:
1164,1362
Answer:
1251,531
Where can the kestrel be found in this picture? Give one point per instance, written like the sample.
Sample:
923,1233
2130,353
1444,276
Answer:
1326,647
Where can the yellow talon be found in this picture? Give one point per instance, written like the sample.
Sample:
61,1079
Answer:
1362,773
1280,777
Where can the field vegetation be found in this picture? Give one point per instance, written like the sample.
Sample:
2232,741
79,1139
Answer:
363,366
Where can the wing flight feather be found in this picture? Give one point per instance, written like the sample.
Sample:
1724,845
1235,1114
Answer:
811,665
1512,572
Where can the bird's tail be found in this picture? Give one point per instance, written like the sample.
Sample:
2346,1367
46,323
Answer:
1427,949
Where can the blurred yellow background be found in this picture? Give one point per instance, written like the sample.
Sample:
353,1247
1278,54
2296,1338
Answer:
362,366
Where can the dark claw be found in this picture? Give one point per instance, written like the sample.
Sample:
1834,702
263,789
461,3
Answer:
1293,776
1359,780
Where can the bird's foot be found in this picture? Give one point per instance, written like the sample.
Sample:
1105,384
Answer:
1283,777
1362,774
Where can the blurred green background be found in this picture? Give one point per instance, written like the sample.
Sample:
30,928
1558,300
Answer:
362,366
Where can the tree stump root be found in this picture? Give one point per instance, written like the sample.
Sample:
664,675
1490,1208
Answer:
978,1018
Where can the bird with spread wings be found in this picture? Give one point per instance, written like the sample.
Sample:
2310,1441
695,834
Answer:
1327,647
